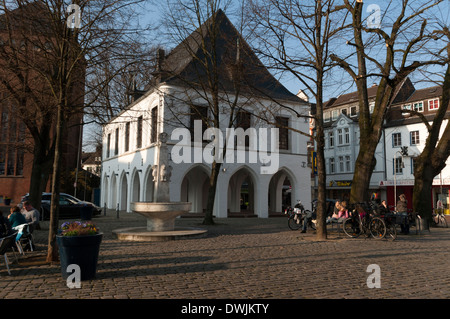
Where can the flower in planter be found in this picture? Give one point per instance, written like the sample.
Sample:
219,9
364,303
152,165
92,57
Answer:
77,228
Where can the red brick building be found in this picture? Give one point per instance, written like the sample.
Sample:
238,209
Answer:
27,109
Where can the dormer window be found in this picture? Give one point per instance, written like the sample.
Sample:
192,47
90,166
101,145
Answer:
433,104
418,106
406,107
334,115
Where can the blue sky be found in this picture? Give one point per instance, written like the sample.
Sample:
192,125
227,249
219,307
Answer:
152,14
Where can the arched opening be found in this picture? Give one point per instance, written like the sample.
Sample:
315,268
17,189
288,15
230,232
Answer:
123,204
113,192
136,188
241,193
194,189
149,186
281,190
105,191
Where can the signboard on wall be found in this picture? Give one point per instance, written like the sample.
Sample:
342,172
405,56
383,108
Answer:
314,163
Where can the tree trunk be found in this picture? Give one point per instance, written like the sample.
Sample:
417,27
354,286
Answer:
321,209
365,163
423,181
433,157
209,220
39,175
52,252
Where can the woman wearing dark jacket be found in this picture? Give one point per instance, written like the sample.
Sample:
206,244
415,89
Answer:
16,218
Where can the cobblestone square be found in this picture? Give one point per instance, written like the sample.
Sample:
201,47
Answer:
242,258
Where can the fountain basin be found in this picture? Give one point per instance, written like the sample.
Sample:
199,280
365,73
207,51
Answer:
160,223
161,216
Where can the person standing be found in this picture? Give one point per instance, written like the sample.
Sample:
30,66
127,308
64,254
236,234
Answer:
402,210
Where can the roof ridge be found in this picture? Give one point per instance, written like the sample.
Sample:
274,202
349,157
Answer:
232,51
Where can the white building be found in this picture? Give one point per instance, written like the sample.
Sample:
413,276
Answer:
260,183
404,130
394,172
341,131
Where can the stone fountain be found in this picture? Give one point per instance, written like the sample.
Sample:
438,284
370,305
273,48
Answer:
161,213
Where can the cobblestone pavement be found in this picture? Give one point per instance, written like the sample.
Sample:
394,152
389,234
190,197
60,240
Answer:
242,258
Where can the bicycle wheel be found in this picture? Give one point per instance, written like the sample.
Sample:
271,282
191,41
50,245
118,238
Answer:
434,221
377,228
295,223
442,221
391,231
351,228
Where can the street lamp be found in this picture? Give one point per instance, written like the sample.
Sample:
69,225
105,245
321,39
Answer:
403,152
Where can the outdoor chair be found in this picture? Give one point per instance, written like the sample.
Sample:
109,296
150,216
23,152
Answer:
338,224
27,237
7,243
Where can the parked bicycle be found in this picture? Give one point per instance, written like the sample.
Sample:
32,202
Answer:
391,226
362,221
297,215
438,220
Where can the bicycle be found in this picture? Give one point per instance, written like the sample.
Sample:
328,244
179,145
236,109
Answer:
297,216
438,220
367,224
391,227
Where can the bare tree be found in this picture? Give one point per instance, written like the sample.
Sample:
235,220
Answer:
297,39
437,148
387,53
210,84
71,48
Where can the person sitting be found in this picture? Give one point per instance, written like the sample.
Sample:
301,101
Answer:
5,226
383,209
343,212
31,214
15,217
308,218
335,216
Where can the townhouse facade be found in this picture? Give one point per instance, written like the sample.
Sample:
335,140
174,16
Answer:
342,142
406,135
403,138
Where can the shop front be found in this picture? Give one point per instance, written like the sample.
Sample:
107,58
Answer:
438,192
340,189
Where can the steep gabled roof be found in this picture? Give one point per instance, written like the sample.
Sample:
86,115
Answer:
350,97
425,94
236,62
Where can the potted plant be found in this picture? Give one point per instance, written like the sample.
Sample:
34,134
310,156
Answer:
7,200
79,243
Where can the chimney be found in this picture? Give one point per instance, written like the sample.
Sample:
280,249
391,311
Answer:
160,55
